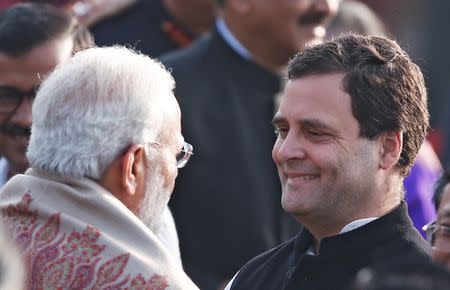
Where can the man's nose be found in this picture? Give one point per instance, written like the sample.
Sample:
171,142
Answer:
323,5
289,148
22,116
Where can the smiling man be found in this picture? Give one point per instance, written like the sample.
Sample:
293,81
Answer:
351,121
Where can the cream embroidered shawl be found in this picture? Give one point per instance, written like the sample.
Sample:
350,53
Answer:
76,235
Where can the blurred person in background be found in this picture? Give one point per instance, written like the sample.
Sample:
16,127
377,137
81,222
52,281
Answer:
438,231
403,275
227,205
155,27
34,38
152,27
87,12
445,131
104,153
357,17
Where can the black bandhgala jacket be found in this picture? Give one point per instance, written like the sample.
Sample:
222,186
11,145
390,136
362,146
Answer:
389,238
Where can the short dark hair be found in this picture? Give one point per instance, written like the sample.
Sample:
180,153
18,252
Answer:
440,185
387,89
26,25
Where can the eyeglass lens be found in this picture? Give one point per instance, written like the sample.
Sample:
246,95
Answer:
11,98
439,237
184,155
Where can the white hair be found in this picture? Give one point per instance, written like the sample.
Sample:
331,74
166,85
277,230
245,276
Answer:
91,108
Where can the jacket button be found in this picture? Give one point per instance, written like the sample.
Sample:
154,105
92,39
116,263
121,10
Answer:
290,272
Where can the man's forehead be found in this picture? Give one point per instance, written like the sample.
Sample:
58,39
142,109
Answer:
14,73
26,71
316,93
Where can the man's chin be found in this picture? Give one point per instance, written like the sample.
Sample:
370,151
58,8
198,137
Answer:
151,213
17,163
14,150
312,36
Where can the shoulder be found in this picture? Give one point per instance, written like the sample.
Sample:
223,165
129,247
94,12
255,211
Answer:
405,241
207,50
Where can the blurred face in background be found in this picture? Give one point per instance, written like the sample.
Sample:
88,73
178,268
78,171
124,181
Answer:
19,78
441,237
290,24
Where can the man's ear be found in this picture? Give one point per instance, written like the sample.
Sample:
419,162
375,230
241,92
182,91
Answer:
390,149
133,168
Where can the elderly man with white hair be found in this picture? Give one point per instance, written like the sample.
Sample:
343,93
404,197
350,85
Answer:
104,152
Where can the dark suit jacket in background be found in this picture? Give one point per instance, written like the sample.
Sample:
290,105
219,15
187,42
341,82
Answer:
226,201
139,27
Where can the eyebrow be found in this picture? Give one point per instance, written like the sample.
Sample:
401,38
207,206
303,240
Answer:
278,119
311,123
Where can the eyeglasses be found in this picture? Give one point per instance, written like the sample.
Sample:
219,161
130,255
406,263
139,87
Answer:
438,236
183,155
11,98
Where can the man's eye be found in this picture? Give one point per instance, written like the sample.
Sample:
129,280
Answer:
315,133
281,132
445,230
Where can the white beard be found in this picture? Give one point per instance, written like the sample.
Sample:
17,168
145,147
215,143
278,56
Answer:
155,200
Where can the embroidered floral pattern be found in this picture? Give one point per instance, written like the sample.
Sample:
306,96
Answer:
83,245
25,221
157,282
111,271
58,261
